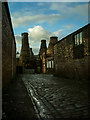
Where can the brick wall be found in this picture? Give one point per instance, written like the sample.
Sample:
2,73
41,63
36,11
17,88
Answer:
8,47
50,54
68,61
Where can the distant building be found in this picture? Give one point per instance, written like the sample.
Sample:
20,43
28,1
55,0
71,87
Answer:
26,61
25,51
38,63
50,54
68,57
47,55
43,49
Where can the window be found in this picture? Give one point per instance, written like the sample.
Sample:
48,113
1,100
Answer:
48,64
78,49
78,39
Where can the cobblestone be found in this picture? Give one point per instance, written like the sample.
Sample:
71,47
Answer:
58,97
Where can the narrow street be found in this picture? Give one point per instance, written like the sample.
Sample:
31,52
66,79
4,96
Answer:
54,97
45,52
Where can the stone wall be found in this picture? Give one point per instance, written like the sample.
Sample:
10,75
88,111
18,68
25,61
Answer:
8,47
72,61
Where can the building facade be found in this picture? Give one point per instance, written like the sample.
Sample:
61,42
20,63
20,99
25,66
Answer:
8,47
42,53
72,54
27,62
50,55
47,55
38,64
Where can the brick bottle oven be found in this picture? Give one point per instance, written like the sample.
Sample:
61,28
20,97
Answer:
50,54
25,51
43,48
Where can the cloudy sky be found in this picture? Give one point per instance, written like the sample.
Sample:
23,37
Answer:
44,19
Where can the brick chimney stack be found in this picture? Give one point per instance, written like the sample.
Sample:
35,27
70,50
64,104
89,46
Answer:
52,42
25,51
43,47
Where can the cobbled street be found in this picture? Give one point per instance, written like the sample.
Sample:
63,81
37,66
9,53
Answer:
55,97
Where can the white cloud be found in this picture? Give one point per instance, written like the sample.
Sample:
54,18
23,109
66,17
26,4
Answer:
38,33
59,33
18,39
35,36
66,29
19,20
69,27
40,3
35,51
66,8
18,42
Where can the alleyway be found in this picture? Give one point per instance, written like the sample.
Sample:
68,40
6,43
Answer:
17,104
47,97
54,97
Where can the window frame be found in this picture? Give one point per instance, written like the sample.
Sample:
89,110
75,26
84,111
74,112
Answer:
78,39
78,48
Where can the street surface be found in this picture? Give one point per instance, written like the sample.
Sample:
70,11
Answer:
16,104
55,97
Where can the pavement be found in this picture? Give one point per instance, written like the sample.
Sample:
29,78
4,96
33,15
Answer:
58,97
16,104
42,96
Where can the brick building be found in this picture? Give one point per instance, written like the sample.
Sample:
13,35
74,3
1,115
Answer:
42,51
27,62
47,55
50,54
38,64
72,53
25,51
8,47
43,48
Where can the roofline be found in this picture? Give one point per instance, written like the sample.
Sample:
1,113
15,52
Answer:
53,37
24,33
75,32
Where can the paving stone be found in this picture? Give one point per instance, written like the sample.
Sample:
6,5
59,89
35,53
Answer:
61,95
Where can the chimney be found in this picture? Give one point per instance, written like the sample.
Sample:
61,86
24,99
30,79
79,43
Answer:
52,42
25,51
43,47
